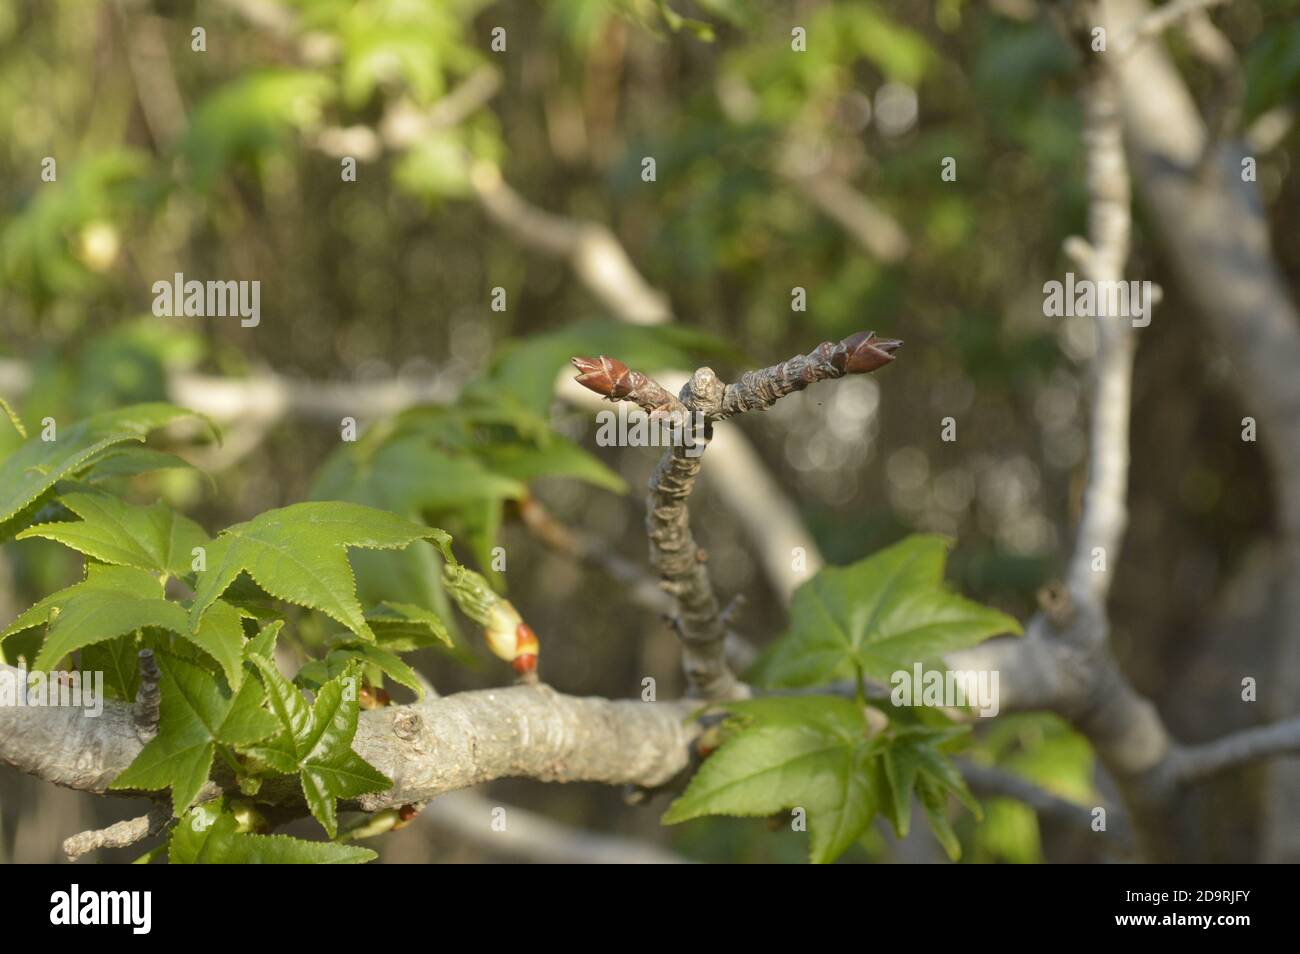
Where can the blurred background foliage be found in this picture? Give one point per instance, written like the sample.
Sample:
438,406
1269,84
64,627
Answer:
774,170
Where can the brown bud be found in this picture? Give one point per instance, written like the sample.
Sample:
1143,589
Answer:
865,352
405,815
607,376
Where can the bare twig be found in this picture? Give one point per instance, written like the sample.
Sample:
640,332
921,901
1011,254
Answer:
679,561
703,400
616,381
123,834
758,390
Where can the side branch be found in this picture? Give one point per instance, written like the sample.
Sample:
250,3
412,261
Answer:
1193,763
703,400
759,390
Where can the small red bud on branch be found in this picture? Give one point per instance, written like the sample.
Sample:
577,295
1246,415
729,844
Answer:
606,376
506,633
611,378
864,352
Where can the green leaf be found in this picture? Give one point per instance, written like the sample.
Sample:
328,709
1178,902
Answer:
299,554
132,461
30,471
557,457
407,476
221,636
154,538
882,614
934,802
118,660
811,753
401,627
263,644
198,714
914,764
250,118
14,419
110,602
316,742
337,661
207,835
116,600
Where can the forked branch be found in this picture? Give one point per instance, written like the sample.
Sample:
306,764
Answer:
703,400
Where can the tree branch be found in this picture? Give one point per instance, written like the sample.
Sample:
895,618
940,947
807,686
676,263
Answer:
428,748
1193,763
992,782
123,834
1159,20
758,390
703,400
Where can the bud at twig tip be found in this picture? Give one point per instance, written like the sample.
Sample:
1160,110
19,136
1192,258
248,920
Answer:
865,352
604,375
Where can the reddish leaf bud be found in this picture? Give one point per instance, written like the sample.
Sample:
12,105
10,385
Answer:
865,352
526,650
405,815
606,376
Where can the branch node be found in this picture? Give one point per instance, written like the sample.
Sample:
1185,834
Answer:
1057,605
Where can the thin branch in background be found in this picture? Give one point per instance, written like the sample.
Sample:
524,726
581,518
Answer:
877,232
594,552
151,71
807,170
991,782
1196,762
529,836
1227,105
1102,258
1159,20
595,255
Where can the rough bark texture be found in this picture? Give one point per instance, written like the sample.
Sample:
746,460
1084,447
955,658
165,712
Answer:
426,749
757,390
525,731
680,562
